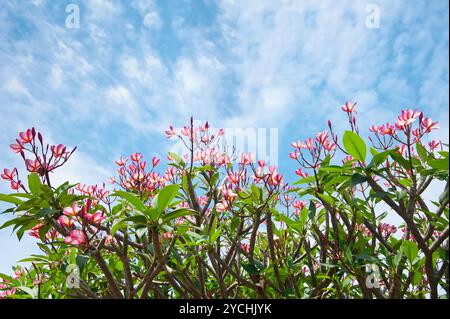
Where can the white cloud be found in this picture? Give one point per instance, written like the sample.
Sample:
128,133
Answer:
152,20
56,76
83,169
15,87
120,95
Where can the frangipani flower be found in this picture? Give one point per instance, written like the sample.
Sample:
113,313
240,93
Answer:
72,211
76,237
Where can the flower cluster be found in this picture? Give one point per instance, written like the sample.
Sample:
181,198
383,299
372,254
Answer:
201,143
12,176
350,109
134,177
4,289
384,229
310,153
44,158
388,133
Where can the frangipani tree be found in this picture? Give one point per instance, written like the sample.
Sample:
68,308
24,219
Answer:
215,224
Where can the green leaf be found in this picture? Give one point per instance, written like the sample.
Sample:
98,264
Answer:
250,268
43,231
176,158
31,292
327,198
138,219
312,210
215,231
165,197
9,279
398,257
10,199
133,200
357,179
423,154
181,212
81,261
116,226
34,183
363,257
400,160
410,250
153,214
304,216
440,164
10,223
379,158
354,145
373,151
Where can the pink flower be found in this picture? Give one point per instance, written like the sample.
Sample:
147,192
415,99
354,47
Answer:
51,235
261,163
386,229
10,292
76,237
167,235
120,162
40,279
136,157
246,159
155,161
329,146
276,179
95,218
299,204
294,155
16,185
170,132
65,221
228,194
204,127
347,159
17,148
71,211
109,239
434,144
18,273
308,144
221,207
406,118
9,175
58,150
300,173
233,178
34,232
349,108
387,129
322,137
27,137
245,247
32,166
374,128
142,165
297,145
428,125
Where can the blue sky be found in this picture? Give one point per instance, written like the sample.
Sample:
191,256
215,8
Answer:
113,85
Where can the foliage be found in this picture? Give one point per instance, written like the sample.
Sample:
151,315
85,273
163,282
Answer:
217,224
